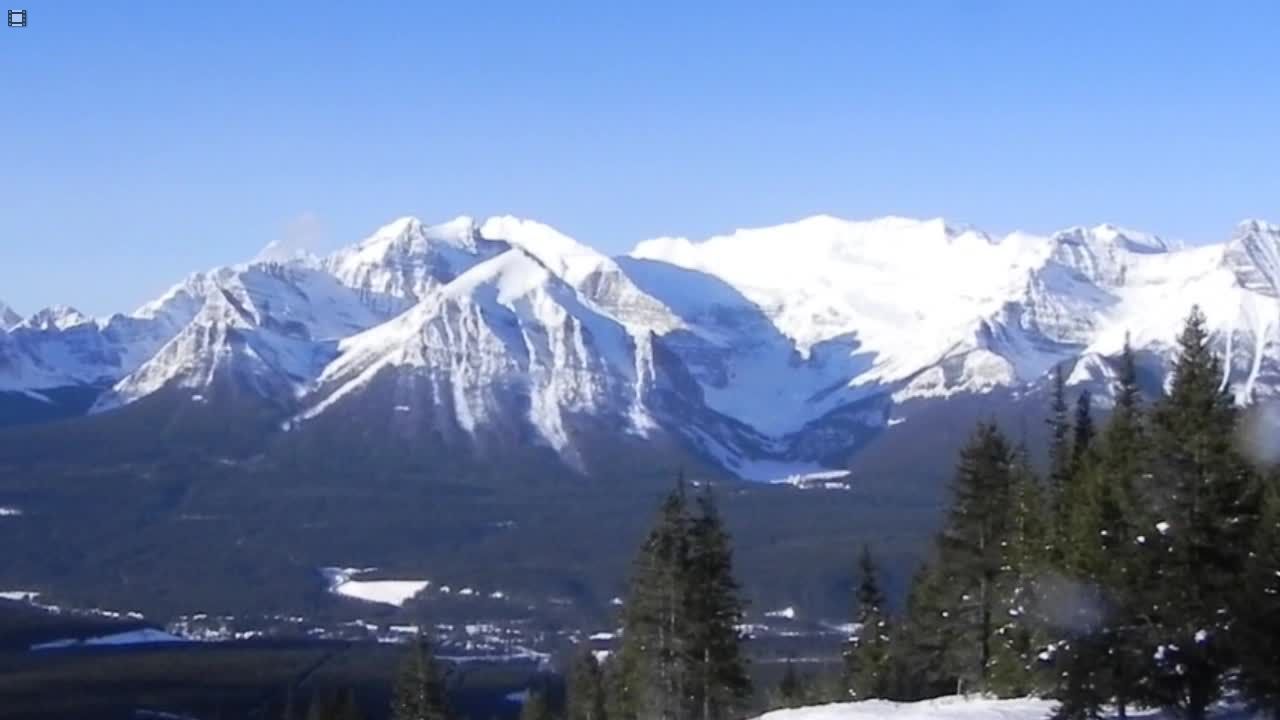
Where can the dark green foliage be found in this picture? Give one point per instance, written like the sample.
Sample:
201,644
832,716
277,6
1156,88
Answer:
720,684
681,656
1059,452
868,656
1206,495
1258,633
587,693
791,689
1082,429
654,657
1020,631
972,555
420,686
920,666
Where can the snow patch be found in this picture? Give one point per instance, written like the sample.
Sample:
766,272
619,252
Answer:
387,592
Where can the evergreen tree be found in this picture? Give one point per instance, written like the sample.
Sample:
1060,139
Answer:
1259,629
1020,633
972,555
1103,658
587,699
720,684
420,688
921,644
791,691
1209,511
654,666
867,657
1082,429
1059,457
535,706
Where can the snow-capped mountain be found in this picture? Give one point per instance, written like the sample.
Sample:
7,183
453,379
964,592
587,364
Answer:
769,352
267,327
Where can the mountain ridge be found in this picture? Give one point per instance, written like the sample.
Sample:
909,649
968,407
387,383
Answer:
783,348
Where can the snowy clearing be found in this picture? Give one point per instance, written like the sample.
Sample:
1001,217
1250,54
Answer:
958,708
387,592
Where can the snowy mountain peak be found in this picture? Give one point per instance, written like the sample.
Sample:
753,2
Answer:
8,317
567,258
1253,254
57,317
404,260
1103,254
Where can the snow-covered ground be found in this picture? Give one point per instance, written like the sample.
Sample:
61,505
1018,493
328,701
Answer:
387,592
958,708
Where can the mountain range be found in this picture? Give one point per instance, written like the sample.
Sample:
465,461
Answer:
766,354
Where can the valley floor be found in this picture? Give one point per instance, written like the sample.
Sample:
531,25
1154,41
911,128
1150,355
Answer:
962,708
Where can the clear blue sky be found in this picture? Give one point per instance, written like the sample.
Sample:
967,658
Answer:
143,139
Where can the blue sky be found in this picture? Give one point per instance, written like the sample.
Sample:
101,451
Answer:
145,139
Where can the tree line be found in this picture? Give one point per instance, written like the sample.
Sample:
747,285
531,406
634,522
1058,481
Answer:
1141,568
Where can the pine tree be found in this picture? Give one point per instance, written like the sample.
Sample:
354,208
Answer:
720,684
921,644
867,657
587,698
1059,458
1209,511
1082,429
653,661
972,554
420,688
535,706
1020,632
1259,626
1102,658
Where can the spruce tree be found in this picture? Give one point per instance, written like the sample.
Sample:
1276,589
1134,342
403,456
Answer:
1258,632
1059,457
1020,632
654,667
1208,513
719,681
972,555
1123,514
791,692
867,657
1103,657
921,644
420,688
587,698
1082,429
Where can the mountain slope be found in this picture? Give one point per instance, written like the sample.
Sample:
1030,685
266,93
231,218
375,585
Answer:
768,351
266,327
